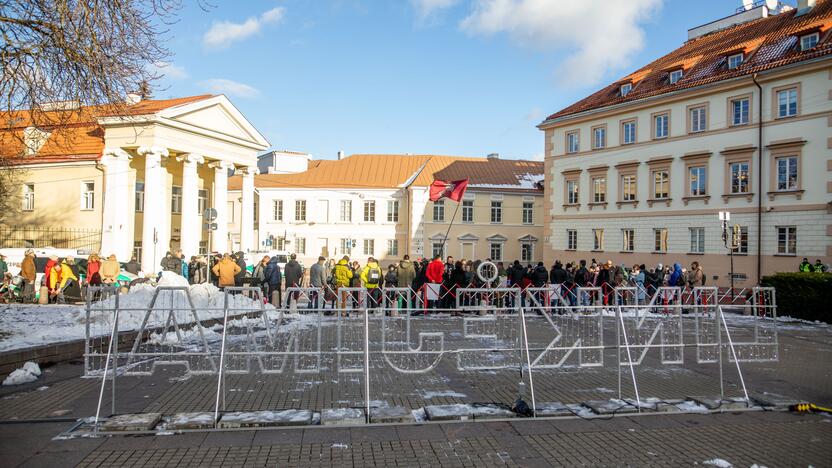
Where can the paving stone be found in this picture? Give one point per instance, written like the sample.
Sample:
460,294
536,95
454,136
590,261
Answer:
612,406
132,422
772,400
391,414
342,417
200,420
290,417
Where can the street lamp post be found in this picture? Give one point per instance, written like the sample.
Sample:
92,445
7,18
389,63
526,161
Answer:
731,243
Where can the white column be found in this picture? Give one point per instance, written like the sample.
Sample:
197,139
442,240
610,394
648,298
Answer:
191,226
219,239
247,212
156,219
116,235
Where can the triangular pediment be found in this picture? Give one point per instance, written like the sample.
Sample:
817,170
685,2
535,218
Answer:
215,115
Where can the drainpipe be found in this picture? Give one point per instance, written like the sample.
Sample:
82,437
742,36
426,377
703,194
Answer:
759,178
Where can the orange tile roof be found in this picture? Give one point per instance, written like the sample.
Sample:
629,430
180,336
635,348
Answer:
767,42
394,170
74,134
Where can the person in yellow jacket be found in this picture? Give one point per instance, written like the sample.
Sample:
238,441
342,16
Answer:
110,270
225,270
371,277
341,276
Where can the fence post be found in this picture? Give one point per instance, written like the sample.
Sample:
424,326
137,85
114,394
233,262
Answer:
367,360
220,374
107,366
734,353
629,357
528,360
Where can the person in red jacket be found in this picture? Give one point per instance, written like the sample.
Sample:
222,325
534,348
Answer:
434,273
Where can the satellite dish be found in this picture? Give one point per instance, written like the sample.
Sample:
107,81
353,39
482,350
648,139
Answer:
772,4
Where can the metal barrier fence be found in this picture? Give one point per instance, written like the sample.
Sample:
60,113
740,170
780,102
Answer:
361,332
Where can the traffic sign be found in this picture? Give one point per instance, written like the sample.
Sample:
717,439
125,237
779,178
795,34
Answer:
210,226
210,214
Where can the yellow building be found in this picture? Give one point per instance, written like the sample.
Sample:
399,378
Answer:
378,205
91,180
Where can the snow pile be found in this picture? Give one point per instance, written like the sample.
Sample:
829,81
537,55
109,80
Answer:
28,373
718,462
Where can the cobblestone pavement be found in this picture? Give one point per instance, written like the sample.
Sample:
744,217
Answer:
32,414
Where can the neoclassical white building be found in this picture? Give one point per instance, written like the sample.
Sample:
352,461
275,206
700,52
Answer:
141,177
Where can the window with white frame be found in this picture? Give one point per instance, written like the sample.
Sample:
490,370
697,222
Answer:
572,192
392,247
176,199
439,211
467,211
138,196
87,195
203,248
697,240
369,211
809,40
528,212
369,246
628,188
137,250
495,250
572,142
787,102
787,240
280,243
28,197
599,189
628,242
392,211
740,111
598,239
787,173
571,239
739,177
742,245
661,125
698,179
660,240
346,246
628,130
277,210
661,184
625,89
698,119
300,210
675,76
345,211
599,137
437,248
202,202
300,245
526,252
735,61
496,212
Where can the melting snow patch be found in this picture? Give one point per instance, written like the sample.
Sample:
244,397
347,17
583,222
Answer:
718,462
427,395
339,446
28,373
692,407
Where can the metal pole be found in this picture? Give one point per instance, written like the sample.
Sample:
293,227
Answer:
210,231
367,360
629,358
734,353
114,338
719,353
222,360
106,369
528,360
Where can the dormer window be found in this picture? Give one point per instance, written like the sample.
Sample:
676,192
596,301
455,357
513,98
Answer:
808,41
675,76
626,88
735,61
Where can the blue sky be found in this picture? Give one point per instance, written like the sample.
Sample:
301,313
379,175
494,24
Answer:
459,77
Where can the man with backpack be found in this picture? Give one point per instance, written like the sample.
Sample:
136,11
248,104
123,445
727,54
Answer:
371,276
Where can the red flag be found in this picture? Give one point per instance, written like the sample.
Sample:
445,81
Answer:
453,189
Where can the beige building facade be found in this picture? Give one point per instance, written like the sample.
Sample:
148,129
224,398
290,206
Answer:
638,172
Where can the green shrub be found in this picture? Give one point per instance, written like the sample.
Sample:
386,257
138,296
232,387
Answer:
803,295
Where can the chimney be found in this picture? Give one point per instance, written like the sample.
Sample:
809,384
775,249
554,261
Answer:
493,156
340,155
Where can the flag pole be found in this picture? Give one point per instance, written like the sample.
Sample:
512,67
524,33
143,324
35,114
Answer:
445,239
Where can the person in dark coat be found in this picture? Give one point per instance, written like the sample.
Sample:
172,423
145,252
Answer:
241,262
293,272
539,276
558,274
132,266
273,277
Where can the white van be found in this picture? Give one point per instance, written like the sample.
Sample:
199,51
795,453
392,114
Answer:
14,257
